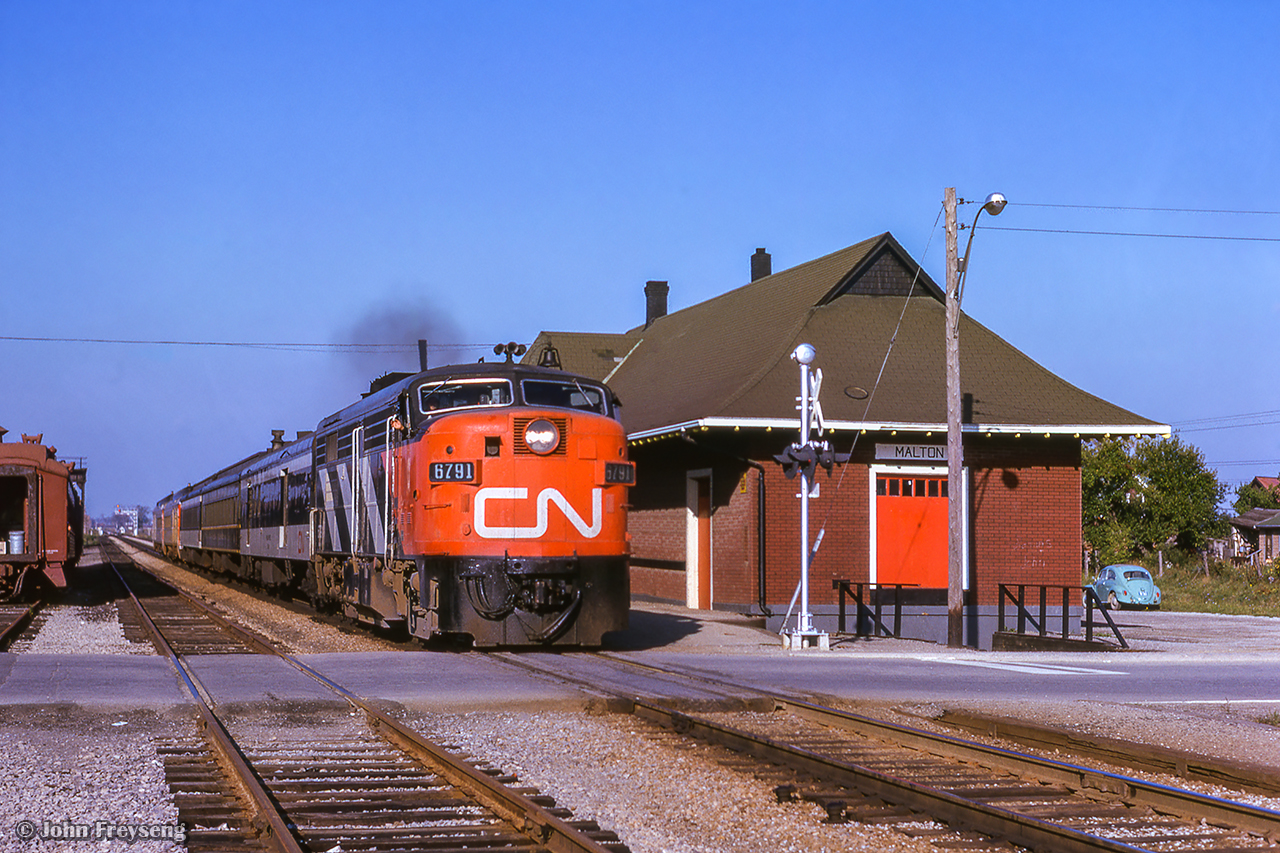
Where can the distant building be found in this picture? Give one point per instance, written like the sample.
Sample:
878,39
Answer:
709,397
1256,536
1269,484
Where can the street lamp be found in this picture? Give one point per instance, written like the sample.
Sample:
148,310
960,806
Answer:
955,452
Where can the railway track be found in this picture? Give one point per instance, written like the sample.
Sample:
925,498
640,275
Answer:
15,619
357,783
955,792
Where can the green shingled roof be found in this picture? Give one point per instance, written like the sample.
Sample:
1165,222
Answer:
729,357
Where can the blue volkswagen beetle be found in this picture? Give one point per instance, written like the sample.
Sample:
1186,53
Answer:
1127,586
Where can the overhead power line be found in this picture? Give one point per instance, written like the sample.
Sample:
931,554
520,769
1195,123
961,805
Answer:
1149,209
1253,462
1124,208
1251,419
289,346
1215,419
1135,234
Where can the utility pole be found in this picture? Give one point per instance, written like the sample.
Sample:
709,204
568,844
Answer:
955,451
957,269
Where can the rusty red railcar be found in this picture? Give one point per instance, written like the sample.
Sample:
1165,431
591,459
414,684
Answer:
41,515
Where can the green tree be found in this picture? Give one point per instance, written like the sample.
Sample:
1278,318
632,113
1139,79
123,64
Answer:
1249,496
1180,495
1138,495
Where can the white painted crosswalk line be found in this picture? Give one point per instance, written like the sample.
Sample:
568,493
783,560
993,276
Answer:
1037,668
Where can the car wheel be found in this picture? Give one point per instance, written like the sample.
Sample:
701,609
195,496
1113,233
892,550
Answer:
1113,603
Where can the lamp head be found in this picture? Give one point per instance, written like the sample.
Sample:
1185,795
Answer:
995,203
805,354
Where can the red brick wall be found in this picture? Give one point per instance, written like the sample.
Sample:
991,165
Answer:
843,506
662,584
657,534
1024,516
1024,512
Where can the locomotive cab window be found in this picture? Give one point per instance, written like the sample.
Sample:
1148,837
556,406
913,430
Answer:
563,395
463,393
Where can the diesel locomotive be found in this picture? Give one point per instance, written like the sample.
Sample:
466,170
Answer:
41,515
484,500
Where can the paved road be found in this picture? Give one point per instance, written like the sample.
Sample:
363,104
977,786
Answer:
1177,658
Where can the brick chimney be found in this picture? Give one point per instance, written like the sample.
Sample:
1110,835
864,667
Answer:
655,298
761,264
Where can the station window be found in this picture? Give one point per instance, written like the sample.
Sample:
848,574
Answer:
895,486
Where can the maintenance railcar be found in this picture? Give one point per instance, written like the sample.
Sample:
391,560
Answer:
485,500
41,515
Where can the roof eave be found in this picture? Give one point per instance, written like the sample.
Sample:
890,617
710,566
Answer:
768,424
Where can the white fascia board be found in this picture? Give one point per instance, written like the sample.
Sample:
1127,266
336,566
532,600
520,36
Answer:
1075,430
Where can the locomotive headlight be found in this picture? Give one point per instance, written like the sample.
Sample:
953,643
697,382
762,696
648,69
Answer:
541,436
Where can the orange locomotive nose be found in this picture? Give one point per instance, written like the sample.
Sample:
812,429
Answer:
518,515
482,489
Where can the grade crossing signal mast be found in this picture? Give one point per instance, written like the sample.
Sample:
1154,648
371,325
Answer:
803,458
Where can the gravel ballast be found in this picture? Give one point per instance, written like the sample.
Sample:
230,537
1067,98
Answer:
76,781
659,798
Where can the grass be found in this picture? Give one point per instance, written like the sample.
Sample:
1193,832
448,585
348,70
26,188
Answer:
1227,589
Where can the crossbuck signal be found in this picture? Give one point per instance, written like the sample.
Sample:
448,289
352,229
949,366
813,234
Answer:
803,458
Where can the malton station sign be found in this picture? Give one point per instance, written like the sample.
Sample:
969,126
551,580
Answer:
912,452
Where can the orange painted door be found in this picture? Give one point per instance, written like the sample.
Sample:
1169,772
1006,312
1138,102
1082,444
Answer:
911,530
704,544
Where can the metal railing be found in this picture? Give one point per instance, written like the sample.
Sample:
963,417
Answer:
872,611
1041,623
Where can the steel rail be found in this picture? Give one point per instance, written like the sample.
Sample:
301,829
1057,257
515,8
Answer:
522,812
957,811
990,820
952,809
1160,797
1255,778
528,817
16,626
272,827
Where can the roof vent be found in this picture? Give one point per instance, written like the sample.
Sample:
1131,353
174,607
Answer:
761,264
655,296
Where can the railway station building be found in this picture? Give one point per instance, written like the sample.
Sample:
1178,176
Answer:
709,398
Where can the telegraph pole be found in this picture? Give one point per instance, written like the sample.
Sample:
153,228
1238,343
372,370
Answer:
955,451
957,268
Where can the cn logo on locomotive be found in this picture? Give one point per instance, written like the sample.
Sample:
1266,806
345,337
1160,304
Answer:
547,496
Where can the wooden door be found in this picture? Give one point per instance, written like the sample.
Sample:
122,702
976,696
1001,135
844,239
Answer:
911,530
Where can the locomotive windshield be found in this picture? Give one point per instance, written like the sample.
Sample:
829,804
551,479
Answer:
563,395
462,393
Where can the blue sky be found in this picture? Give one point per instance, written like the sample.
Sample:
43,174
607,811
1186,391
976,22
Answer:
475,172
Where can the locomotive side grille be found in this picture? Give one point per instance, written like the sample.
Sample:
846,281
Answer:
522,449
